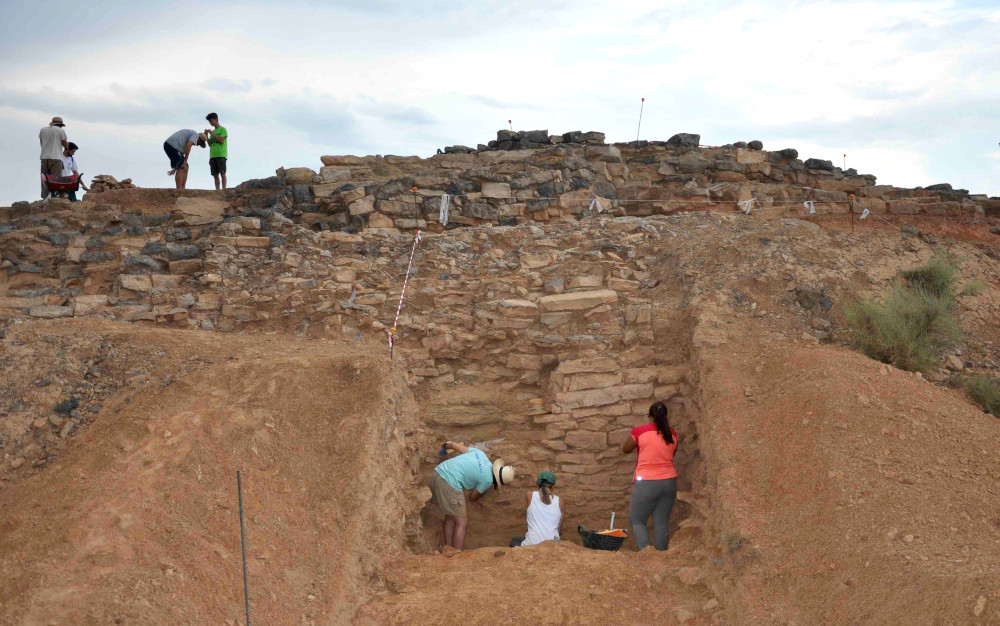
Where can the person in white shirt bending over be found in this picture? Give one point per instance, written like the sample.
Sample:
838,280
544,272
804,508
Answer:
545,513
69,167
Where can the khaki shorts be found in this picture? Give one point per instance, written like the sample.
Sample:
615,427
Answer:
450,500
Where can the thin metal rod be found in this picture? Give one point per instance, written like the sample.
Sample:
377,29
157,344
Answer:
641,106
243,545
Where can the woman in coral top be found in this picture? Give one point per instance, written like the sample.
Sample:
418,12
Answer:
654,485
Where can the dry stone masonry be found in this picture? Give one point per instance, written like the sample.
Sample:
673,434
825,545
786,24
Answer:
534,176
529,318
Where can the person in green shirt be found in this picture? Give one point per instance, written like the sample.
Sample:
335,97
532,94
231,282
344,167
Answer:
219,147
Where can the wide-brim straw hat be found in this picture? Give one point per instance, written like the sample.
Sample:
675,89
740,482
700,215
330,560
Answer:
56,121
502,474
203,137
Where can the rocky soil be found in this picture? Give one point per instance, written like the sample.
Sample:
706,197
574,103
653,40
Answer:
818,486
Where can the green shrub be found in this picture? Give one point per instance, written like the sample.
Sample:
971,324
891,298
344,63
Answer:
972,288
909,328
984,391
937,277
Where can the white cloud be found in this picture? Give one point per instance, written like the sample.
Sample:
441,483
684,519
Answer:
906,88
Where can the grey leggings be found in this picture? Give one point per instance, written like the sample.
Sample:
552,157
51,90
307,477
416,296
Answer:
656,498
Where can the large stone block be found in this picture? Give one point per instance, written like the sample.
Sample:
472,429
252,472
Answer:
531,362
904,207
684,139
636,392
49,312
591,397
297,175
692,163
579,366
338,175
496,190
609,154
253,242
480,210
586,282
578,300
536,260
135,282
517,308
189,266
87,304
579,382
750,156
586,440
377,220
325,190
166,281
637,357
345,160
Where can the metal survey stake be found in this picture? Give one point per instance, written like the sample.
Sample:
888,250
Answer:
243,546
641,105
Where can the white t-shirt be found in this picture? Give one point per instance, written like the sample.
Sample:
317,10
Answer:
543,520
51,138
69,165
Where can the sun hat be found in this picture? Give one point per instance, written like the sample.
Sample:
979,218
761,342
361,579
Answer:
56,121
502,474
546,476
203,137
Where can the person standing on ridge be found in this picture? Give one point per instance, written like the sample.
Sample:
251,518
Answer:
654,484
69,168
469,471
178,149
218,149
53,141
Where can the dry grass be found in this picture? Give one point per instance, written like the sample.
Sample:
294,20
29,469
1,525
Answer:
984,391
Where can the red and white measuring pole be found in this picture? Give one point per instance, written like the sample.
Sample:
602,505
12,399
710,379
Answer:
406,280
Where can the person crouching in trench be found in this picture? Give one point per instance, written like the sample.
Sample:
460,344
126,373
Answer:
470,471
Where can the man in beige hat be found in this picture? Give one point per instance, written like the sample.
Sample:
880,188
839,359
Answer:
470,471
53,141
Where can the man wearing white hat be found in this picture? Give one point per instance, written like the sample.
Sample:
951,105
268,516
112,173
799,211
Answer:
53,141
470,471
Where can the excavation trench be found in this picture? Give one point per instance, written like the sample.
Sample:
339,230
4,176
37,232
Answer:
570,416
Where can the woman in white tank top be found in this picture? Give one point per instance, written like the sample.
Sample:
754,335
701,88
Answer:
545,513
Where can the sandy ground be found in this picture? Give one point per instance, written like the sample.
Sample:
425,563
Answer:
137,522
552,583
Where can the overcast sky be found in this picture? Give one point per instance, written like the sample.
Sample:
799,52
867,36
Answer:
910,91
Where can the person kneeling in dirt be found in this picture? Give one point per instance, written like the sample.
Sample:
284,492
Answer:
545,513
470,470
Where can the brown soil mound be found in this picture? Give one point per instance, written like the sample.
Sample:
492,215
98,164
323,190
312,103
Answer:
849,492
137,523
552,583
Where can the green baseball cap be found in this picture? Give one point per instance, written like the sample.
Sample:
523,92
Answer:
546,476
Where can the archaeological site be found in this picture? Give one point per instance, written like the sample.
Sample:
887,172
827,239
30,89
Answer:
153,342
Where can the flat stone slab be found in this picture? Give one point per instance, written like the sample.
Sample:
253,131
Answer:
50,312
578,300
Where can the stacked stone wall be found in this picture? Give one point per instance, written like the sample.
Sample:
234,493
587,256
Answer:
554,340
545,181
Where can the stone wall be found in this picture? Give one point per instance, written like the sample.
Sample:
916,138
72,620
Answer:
545,181
554,340
553,336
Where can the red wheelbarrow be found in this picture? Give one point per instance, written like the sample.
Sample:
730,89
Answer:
62,185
